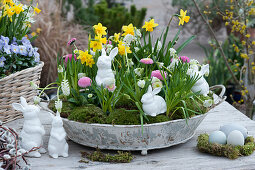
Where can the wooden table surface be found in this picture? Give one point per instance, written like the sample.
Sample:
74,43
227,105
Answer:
183,156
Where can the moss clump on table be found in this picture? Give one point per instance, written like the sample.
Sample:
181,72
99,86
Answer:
229,151
120,157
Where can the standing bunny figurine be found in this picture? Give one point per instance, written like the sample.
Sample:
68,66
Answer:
104,62
201,85
153,104
32,131
57,143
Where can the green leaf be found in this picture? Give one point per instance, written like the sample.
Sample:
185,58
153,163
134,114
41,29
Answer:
184,44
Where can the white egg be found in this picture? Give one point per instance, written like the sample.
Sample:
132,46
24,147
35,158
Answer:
235,138
230,127
218,137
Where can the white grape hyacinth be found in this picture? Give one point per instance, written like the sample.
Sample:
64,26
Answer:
141,83
65,87
58,105
37,100
172,51
33,85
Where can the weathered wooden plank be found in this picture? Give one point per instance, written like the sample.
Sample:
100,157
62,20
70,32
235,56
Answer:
183,156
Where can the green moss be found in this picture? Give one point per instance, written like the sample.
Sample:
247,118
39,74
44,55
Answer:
120,157
125,102
88,114
229,151
157,119
123,117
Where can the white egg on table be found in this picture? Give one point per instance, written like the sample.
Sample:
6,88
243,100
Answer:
235,138
232,126
218,137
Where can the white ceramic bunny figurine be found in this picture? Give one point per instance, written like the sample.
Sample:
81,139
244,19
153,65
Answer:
32,131
104,63
57,143
153,104
201,85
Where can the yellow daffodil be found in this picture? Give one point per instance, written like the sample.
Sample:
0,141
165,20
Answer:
101,40
96,45
116,37
9,12
150,25
33,34
37,10
83,56
130,29
100,29
90,61
183,17
18,9
38,30
123,49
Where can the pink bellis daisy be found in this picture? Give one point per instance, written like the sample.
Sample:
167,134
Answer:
69,56
157,73
70,42
146,61
185,59
84,82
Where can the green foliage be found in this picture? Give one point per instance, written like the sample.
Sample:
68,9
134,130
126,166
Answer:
229,151
110,14
120,157
219,73
179,90
88,114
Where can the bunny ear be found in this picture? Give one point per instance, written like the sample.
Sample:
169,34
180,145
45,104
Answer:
113,53
23,101
18,107
103,52
149,89
156,90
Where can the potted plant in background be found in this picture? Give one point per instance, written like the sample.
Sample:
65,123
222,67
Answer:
127,93
19,60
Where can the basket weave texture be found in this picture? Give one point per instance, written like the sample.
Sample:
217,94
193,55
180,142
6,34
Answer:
13,87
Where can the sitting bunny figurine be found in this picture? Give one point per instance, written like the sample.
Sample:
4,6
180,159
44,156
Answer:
153,104
201,85
104,63
32,131
57,143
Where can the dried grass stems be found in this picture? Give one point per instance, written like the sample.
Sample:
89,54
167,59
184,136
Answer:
54,35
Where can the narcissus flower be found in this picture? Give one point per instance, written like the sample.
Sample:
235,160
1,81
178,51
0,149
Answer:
100,29
123,49
130,29
183,17
146,61
150,25
37,10
96,45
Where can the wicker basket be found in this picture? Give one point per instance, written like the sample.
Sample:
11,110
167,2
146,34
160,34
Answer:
14,86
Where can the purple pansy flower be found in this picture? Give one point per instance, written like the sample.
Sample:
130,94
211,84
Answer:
25,41
7,49
15,49
22,50
2,59
5,39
